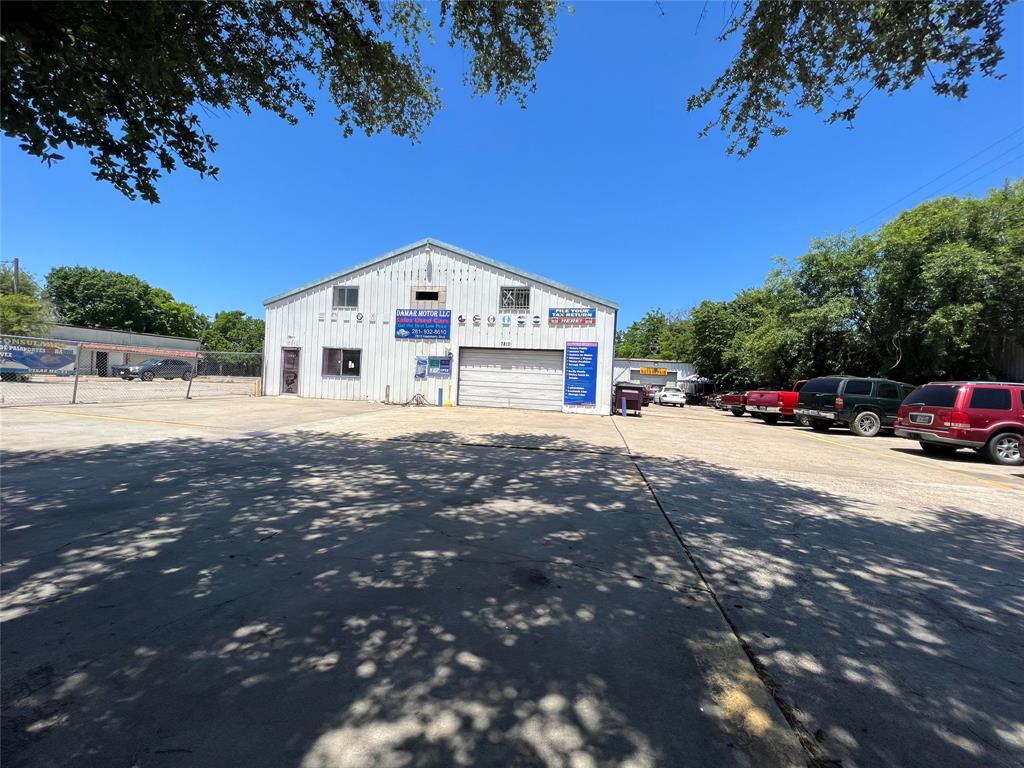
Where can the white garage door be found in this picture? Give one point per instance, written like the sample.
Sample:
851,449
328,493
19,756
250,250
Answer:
511,378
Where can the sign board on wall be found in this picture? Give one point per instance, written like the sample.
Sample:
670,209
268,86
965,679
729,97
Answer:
580,373
654,371
433,367
37,356
575,316
423,324
440,368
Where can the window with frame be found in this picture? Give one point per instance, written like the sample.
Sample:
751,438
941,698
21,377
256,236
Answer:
514,299
346,297
857,387
991,399
888,390
341,362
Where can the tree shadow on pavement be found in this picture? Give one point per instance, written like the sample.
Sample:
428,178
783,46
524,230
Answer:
895,638
318,599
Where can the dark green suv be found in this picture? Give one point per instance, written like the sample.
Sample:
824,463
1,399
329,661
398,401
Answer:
866,406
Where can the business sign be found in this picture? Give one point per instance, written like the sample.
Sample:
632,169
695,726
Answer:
654,371
37,356
440,368
580,373
572,316
421,368
423,324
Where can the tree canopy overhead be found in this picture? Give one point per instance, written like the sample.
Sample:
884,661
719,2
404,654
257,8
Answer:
130,81
830,54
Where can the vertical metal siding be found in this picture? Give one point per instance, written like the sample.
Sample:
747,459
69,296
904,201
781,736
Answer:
473,288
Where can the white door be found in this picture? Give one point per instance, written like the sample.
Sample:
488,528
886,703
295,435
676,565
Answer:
511,378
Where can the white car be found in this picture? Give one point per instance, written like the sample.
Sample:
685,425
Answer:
671,396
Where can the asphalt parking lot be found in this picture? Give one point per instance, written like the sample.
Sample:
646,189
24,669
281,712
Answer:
294,582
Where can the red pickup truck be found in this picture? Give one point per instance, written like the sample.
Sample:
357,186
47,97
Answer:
773,405
734,402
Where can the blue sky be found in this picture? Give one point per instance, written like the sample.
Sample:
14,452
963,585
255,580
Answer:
601,183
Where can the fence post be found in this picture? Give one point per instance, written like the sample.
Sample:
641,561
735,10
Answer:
195,369
78,366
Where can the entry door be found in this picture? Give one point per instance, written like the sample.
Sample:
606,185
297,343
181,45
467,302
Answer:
289,371
101,364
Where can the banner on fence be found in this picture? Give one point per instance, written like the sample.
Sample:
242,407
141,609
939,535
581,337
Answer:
21,355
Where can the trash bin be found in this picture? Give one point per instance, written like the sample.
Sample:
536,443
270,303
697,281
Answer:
634,396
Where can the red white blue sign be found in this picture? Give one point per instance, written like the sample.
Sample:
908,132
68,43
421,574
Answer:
423,324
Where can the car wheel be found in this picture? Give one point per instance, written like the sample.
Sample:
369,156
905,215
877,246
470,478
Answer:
147,376
821,425
866,424
186,375
1005,448
803,421
771,419
937,450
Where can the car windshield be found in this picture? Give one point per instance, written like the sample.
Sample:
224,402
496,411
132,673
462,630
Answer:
151,361
939,395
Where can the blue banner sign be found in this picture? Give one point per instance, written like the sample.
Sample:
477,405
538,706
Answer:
423,324
572,316
19,355
580,373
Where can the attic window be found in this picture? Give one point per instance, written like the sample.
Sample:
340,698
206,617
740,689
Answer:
346,297
514,299
428,295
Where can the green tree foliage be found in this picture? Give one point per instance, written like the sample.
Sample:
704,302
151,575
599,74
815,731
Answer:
643,338
830,54
234,331
98,298
23,312
950,284
129,81
932,294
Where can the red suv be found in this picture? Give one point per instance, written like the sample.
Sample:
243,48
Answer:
987,416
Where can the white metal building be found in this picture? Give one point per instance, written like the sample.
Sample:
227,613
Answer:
651,371
434,320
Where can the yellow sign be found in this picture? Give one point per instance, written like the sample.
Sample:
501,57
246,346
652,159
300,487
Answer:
654,371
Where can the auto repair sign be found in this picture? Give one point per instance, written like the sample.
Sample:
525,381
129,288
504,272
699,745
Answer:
423,324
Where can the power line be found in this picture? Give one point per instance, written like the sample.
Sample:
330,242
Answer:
1009,162
974,170
941,175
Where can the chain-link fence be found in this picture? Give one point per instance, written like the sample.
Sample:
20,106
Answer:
37,371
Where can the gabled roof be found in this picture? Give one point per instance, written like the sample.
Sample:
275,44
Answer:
454,249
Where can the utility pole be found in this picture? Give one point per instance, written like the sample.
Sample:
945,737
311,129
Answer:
17,277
